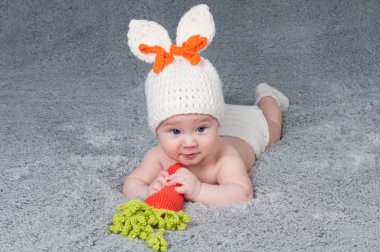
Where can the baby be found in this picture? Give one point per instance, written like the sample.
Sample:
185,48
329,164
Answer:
216,143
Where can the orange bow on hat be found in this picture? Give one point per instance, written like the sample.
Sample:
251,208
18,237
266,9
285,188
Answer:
188,50
162,57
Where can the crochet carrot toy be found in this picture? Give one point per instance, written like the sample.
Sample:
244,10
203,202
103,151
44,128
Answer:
137,219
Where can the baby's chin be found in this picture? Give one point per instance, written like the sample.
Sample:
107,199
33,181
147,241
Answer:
190,160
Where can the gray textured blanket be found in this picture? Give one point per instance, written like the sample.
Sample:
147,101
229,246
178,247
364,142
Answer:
73,123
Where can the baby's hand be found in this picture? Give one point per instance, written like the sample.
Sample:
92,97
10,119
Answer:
189,184
157,184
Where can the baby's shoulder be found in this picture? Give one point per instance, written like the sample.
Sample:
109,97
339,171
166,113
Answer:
160,156
229,156
230,159
242,149
152,153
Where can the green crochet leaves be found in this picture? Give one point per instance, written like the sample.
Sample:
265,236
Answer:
136,219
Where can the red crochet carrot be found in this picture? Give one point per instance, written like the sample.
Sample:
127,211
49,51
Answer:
161,211
167,198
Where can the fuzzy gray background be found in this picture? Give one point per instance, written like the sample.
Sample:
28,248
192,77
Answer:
73,123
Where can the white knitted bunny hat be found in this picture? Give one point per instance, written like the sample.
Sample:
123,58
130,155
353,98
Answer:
181,82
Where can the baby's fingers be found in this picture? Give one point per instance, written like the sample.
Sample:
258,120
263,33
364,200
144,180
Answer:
164,174
180,189
155,187
175,179
162,181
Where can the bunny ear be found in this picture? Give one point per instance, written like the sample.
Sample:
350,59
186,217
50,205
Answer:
149,33
198,20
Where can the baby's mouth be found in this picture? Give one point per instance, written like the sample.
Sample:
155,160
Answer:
190,155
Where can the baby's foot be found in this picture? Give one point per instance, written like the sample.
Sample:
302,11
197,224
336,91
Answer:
263,90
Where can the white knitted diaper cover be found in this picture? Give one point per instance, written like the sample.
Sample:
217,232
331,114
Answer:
247,123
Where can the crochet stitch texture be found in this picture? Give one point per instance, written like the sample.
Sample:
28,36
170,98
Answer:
181,81
161,211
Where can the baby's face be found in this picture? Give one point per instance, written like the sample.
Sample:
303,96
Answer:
189,139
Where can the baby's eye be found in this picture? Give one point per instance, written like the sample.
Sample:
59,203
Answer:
201,129
175,131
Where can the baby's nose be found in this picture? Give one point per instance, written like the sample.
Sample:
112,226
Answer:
189,141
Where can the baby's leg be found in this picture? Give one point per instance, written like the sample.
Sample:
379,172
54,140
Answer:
272,102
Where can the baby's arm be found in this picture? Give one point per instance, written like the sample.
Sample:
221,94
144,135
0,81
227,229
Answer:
233,186
147,173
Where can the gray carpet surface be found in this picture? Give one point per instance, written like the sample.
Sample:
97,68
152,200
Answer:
73,123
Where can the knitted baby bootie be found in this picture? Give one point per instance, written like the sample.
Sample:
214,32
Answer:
264,89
